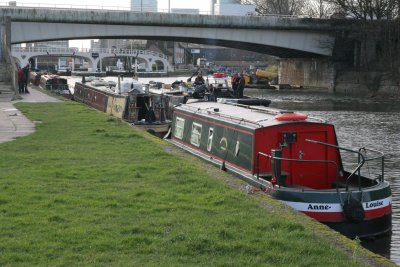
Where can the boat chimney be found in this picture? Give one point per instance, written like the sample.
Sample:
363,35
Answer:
118,89
276,167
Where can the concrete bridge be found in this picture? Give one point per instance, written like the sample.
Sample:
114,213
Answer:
312,51
278,36
94,56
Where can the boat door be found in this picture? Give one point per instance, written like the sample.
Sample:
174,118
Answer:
309,174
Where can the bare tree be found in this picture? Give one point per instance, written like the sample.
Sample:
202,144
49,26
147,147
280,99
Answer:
369,9
281,7
319,9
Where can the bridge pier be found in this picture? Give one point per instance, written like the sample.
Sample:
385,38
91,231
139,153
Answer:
308,73
2,34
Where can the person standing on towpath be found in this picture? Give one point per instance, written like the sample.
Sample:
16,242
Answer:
20,80
25,77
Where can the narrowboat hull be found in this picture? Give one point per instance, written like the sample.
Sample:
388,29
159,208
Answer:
158,130
327,207
133,108
318,186
53,82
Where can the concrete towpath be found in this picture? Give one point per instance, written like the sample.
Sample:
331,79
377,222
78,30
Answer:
13,123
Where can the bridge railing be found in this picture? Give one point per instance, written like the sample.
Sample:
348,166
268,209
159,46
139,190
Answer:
62,6
133,52
42,49
144,8
59,50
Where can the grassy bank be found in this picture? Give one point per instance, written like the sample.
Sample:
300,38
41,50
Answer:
87,189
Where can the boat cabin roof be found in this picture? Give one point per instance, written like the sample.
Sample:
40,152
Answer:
253,117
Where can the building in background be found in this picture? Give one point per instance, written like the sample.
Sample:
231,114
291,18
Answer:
95,44
49,63
144,5
190,11
231,8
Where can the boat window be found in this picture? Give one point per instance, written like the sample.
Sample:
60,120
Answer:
196,134
223,143
179,127
210,138
237,148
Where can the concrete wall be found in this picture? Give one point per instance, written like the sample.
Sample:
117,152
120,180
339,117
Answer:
166,19
309,73
370,84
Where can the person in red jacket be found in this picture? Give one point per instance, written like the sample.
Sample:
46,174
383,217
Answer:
25,79
240,85
235,84
20,80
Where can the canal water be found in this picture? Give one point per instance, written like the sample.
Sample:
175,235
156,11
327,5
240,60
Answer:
359,122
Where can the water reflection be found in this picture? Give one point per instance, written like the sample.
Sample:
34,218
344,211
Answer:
380,245
323,101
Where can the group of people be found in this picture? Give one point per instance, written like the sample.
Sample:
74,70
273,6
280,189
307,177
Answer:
237,81
23,77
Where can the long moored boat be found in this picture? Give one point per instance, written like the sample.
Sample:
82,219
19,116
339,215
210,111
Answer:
147,111
294,158
54,83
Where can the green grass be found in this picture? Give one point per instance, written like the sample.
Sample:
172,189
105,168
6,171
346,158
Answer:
86,189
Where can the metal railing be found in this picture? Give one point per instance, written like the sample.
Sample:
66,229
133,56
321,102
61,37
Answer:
18,4
60,50
297,160
144,9
361,161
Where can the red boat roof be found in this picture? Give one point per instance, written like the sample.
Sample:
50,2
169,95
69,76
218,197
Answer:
250,116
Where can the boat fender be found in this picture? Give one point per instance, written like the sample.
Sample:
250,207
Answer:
168,134
353,210
291,117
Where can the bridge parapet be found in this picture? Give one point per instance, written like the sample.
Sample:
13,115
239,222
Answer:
127,17
62,6
23,54
63,51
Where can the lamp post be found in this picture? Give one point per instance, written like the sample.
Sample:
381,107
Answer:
130,52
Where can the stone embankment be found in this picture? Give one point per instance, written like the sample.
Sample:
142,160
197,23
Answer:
380,85
6,89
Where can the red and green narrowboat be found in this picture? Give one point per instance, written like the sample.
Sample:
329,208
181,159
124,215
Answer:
294,158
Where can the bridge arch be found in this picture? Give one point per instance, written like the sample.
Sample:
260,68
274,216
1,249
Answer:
283,37
93,56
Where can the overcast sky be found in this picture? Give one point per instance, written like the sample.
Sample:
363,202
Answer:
202,5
